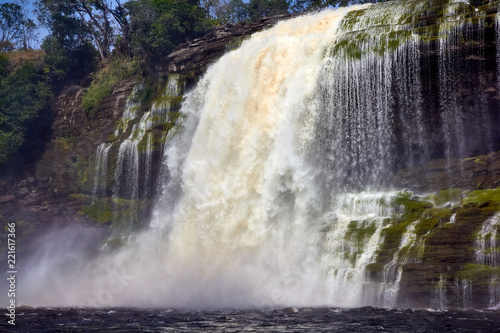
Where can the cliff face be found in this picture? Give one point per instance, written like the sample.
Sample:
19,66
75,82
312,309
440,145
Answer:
452,195
43,198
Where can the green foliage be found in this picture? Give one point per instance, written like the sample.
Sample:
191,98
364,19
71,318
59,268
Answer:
62,63
69,52
233,12
106,80
158,26
304,5
258,9
23,95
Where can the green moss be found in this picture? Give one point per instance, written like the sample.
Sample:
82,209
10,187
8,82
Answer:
85,198
84,171
426,225
360,232
171,100
410,204
114,243
482,198
99,211
65,143
479,274
146,94
445,196
392,235
375,267
441,212
347,49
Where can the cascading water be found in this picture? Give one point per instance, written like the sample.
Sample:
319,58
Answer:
101,170
440,293
133,175
487,250
277,183
488,253
393,270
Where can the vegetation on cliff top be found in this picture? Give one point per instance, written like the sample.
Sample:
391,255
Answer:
23,98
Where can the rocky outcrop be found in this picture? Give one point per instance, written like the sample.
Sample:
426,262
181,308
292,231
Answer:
478,172
192,58
44,196
65,167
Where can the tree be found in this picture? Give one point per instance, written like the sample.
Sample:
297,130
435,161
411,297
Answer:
232,12
10,25
23,95
27,33
306,5
99,15
258,9
95,20
158,26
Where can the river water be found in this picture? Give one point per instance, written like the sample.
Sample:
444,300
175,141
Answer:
366,319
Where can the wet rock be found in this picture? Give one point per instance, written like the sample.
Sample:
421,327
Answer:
22,192
470,173
192,58
6,198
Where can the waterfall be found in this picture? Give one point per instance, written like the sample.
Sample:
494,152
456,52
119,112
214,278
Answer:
133,177
487,250
440,293
463,289
101,170
277,185
389,289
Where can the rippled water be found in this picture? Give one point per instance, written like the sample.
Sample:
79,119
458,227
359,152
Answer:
285,320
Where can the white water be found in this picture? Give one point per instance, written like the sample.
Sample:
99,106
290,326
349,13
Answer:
393,270
487,249
101,170
440,293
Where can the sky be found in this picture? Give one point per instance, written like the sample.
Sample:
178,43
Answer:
42,32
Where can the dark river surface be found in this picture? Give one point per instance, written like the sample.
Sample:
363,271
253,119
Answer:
365,319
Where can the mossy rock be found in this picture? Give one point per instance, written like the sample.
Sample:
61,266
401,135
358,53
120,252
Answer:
441,213
360,231
392,235
84,171
482,198
478,274
99,211
426,225
81,197
446,196
375,267
412,205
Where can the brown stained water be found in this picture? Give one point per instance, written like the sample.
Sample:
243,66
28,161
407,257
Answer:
365,319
